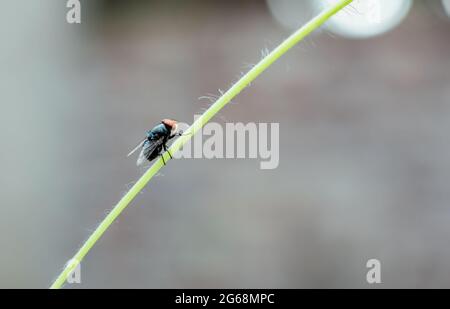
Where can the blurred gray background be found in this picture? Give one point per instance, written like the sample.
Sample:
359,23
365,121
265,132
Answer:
364,152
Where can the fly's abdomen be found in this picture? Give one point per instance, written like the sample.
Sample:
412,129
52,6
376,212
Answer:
152,155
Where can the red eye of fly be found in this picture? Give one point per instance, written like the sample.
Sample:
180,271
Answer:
169,122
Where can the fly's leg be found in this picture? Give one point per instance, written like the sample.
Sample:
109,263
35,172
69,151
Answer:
181,133
165,148
162,154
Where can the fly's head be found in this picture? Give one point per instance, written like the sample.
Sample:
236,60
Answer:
172,125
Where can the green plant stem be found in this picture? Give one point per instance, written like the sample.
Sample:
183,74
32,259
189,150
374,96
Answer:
194,128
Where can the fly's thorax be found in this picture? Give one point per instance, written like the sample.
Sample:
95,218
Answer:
160,129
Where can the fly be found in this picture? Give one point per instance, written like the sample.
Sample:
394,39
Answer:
156,141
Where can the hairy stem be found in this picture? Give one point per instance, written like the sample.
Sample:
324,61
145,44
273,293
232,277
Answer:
243,82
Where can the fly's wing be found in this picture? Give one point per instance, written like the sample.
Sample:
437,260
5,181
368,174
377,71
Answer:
141,158
148,148
137,147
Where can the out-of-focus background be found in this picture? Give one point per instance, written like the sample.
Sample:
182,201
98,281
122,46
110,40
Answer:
364,149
